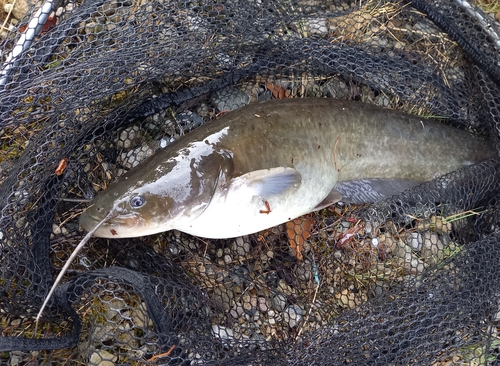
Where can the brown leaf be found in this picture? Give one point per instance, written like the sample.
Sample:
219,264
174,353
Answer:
298,231
277,91
61,166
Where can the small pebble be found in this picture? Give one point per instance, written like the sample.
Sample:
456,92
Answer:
263,307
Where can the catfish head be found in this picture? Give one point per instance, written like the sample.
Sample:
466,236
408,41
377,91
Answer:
169,190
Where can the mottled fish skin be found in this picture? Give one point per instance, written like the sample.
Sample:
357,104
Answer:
270,162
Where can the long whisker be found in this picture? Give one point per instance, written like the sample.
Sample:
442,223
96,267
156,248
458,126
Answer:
76,199
69,261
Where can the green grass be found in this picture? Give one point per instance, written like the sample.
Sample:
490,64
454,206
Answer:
489,6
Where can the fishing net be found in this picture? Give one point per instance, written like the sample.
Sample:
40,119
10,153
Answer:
91,88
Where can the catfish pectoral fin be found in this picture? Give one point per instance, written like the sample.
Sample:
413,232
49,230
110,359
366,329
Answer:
372,190
270,182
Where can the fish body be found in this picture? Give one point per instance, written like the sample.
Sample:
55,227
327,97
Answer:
270,162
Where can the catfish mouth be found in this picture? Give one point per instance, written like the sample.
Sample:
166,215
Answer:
112,226
88,222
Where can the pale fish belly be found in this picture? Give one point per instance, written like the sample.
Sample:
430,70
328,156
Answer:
240,210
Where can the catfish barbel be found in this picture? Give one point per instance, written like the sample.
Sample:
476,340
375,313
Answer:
268,163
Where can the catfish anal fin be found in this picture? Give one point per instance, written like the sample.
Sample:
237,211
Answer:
372,190
333,197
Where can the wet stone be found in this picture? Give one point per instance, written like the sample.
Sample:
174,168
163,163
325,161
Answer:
414,241
189,120
128,137
279,302
263,306
293,315
133,157
241,246
229,99
433,249
102,358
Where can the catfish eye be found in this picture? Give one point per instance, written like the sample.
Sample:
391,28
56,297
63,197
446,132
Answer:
137,201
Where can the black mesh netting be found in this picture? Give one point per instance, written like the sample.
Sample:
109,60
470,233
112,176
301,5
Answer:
90,88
